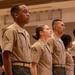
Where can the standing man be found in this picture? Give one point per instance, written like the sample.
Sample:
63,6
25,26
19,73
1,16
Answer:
16,43
57,47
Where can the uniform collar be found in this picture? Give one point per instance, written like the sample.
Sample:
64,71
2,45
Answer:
19,29
56,37
42,43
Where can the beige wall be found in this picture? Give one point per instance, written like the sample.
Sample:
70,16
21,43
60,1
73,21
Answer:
31,31
69,28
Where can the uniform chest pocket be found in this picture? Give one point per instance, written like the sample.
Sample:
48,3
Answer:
46,56
20,42
58,46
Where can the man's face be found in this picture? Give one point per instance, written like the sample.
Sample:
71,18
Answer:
69,45
23,14
60,27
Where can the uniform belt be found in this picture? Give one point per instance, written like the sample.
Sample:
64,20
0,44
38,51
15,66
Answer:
58,65
21,64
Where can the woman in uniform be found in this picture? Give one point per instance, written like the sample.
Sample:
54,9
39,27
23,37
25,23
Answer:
41,53
67,40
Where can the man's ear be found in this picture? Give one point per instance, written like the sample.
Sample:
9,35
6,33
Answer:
55,27
15,15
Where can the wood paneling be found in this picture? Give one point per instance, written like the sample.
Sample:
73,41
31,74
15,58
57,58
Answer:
9,3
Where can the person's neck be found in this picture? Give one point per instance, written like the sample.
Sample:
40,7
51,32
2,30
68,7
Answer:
44,39
21,24
57,34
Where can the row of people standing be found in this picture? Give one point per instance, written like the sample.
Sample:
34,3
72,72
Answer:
51,53
45,57
57,47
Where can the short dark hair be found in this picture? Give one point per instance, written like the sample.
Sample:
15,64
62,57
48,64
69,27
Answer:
74,32
15,8
66,38
54,22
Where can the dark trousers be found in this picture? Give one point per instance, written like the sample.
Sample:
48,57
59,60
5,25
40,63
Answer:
21,70
59,71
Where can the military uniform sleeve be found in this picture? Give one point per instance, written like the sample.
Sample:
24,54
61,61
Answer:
69,64
69,59
7,40
36,53
72,50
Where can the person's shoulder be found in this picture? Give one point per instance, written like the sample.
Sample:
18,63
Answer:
73,42
27,32
67,52
73,45
72,48
11,27
37,47
9,30
50,40
36,44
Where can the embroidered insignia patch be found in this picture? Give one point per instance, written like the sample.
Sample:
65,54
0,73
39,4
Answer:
34,49
48,44
6,39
